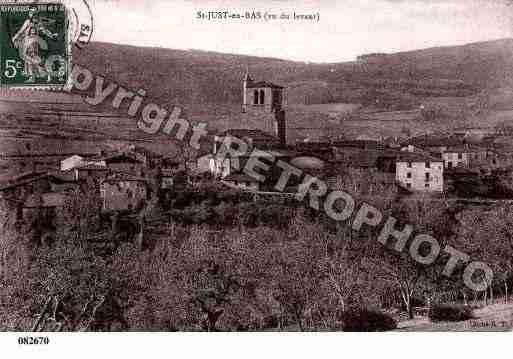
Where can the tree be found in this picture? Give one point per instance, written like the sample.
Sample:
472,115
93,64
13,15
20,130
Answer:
488,236
399,268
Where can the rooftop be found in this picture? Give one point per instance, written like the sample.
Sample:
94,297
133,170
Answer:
432,141
260,84
245,133
123,177
13,181
92,167
404,156
118,157
465,149
371,144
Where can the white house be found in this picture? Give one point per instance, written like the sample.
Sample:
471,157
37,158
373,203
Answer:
79,161
420,173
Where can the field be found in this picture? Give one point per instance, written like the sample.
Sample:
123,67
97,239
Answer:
69,124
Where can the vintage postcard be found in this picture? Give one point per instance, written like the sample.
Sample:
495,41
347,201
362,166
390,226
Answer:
263,167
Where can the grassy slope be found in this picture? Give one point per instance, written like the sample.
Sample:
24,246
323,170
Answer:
197,77
208,85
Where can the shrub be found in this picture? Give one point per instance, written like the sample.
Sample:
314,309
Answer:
450,313
367,320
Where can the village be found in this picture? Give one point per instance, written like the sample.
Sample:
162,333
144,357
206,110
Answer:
468,163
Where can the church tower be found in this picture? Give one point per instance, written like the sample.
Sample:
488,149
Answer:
263,106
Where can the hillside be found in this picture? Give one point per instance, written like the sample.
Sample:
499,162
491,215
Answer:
198,77
208,86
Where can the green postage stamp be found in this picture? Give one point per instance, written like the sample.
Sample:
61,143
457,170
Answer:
34,45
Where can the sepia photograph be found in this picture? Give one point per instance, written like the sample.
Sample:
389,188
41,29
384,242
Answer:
184,171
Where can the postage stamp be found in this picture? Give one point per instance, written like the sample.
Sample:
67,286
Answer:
34,45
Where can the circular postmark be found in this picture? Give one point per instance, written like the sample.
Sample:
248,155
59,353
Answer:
81,22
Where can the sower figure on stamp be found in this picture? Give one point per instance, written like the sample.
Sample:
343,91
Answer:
29,43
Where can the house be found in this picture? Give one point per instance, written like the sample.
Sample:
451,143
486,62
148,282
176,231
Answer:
39,160
125,163
149,159
122,191
167,178
90,171
72,162
76,161
418,172
63,181
466,156
203,164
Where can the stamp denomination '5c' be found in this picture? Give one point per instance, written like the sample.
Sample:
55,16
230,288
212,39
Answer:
34,45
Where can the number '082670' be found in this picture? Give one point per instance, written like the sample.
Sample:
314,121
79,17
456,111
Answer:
33,340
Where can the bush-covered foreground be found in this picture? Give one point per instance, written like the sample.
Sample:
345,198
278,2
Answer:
367,320
242,266
450,313
193,278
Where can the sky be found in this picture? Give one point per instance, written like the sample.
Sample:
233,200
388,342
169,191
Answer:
346,28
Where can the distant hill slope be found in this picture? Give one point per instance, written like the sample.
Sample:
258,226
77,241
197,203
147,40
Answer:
199,77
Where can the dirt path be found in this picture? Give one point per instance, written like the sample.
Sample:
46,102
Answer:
493,318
